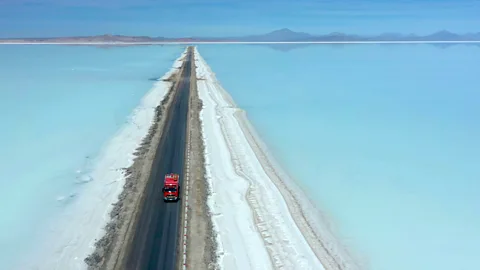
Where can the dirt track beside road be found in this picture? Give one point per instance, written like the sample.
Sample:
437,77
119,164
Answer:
111,249
201,243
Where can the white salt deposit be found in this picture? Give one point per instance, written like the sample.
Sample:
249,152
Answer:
252,219
82,223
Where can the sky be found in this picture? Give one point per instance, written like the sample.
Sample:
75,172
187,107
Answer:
215,18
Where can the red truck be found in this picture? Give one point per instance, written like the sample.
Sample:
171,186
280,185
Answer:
171,187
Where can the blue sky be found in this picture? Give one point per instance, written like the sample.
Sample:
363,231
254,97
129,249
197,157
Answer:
233,17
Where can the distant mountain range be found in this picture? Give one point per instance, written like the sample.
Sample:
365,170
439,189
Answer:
282,35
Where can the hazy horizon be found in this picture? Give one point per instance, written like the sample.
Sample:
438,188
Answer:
241,36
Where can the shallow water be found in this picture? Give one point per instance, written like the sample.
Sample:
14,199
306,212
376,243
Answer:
58,106
384,138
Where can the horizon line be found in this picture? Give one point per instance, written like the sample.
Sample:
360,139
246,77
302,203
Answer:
403,34
245,42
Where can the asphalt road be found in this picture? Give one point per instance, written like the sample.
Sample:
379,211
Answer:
156,236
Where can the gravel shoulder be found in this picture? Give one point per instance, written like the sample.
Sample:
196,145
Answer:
111,249
201,244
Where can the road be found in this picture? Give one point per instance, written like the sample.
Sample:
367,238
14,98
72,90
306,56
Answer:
156,236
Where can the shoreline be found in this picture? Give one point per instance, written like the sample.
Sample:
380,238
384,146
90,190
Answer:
119,43
314,228
200,239
309,219
110,249
87,222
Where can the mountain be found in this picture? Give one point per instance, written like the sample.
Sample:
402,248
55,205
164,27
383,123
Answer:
284,34
281,35
443,35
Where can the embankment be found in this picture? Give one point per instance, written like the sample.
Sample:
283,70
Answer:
110,249
260,215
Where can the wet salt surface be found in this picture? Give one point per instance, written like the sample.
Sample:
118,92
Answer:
60,106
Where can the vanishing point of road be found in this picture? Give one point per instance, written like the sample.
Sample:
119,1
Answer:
155,240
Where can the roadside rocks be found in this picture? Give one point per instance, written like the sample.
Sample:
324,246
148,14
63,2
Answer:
109,250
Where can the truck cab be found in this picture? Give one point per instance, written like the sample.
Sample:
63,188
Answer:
171,187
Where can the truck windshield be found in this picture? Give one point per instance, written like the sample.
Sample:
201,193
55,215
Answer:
170,189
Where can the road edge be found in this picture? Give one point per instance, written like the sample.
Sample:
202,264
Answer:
197,238
183,225
111,249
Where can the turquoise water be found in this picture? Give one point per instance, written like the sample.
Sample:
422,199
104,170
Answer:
58,106
384,138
